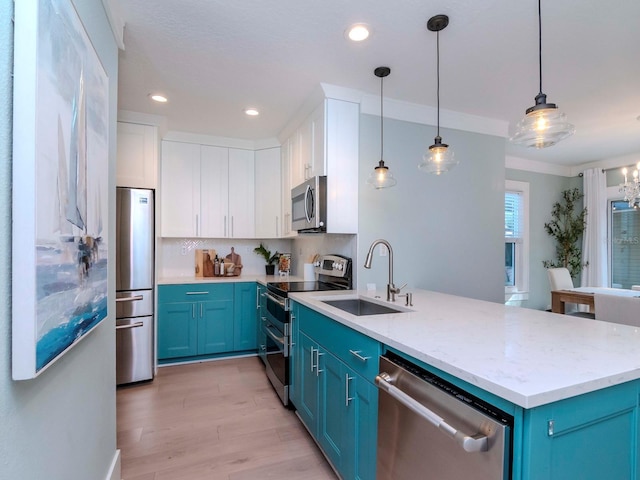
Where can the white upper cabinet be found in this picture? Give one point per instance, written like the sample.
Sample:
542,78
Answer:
241,215
214,191
268,193
326,143
207,191
137,156
285,195
180,193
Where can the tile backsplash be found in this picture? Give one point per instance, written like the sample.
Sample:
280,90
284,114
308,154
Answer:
176,256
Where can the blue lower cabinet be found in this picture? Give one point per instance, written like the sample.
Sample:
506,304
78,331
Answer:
206,319
245,320
177,330
364,417
592,436
307,386
261,337
338,405
215,327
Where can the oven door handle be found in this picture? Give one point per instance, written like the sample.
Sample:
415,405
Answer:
471,444
280,301
268,329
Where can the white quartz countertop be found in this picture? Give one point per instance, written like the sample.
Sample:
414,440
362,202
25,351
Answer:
528,357
263,279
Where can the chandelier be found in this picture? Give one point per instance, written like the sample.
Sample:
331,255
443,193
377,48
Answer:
631,189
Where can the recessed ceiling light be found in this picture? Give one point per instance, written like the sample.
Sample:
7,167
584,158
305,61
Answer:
252,112
158,98
358,32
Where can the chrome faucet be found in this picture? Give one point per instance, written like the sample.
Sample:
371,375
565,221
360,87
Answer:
391,288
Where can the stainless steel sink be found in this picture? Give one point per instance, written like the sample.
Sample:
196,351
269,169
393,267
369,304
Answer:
360,307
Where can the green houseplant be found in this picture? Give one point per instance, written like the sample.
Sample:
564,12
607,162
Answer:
270,260
567,227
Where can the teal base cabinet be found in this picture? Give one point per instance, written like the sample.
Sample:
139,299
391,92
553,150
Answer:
244,311
332,389
261,337
204,320
592,436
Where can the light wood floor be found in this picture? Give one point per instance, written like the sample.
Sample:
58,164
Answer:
213,420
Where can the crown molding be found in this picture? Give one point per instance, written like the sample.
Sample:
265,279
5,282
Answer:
114,15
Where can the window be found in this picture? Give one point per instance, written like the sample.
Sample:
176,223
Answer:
625,245
516,241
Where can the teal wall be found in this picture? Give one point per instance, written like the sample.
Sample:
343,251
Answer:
61,425
447,231
544,191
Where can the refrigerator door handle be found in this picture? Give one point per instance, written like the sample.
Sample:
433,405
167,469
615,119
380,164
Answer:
129,299
131,325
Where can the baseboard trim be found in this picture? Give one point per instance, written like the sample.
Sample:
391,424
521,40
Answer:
115,468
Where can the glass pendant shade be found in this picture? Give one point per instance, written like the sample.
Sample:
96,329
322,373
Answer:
381,177
439,159
543,126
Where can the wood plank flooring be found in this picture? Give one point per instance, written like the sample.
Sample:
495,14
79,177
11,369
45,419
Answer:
213,420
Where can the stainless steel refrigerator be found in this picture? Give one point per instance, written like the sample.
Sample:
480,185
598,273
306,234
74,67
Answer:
135,260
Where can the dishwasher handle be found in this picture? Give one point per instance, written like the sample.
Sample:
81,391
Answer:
468,443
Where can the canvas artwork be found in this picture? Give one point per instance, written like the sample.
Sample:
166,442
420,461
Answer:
60,185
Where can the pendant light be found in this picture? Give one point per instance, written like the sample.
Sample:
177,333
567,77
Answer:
543,125
439,158
381,177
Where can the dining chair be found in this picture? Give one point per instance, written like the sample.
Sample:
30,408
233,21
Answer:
617,309
560,279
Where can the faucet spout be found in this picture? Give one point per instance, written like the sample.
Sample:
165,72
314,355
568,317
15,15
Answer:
391,288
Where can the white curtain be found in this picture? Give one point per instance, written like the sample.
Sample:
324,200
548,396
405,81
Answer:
594,240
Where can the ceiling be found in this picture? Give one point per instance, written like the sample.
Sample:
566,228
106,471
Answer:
214,58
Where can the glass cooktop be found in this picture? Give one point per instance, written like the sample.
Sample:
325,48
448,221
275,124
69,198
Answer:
283,288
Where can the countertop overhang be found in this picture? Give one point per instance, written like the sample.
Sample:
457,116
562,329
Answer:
528,357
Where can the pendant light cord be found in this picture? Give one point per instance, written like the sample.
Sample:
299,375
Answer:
438,79
381,121
540,44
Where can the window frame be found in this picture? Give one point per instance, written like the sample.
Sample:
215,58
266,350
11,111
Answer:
513,295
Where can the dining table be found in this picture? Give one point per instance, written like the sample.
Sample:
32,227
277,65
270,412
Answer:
584,296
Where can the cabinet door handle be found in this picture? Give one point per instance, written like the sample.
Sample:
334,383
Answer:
347,398
193,310
311,352
318,355
201,310
232,226
197,225
277,226
356,353
225,226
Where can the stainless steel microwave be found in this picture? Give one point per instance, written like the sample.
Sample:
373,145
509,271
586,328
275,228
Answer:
309,205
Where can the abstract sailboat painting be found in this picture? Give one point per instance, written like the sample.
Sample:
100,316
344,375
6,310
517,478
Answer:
60,183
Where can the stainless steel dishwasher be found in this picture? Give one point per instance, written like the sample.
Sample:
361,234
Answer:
430,429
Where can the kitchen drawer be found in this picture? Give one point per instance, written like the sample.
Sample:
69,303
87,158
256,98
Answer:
355,349
195,292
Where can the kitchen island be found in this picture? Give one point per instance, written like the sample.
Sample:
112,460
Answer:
571,384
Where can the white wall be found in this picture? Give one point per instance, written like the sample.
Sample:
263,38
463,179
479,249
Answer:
447,231
61,425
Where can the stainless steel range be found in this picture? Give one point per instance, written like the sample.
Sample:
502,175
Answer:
333,273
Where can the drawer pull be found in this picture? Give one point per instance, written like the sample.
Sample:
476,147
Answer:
197,293
356,353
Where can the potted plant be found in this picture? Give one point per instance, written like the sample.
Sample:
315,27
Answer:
271,260
567,227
